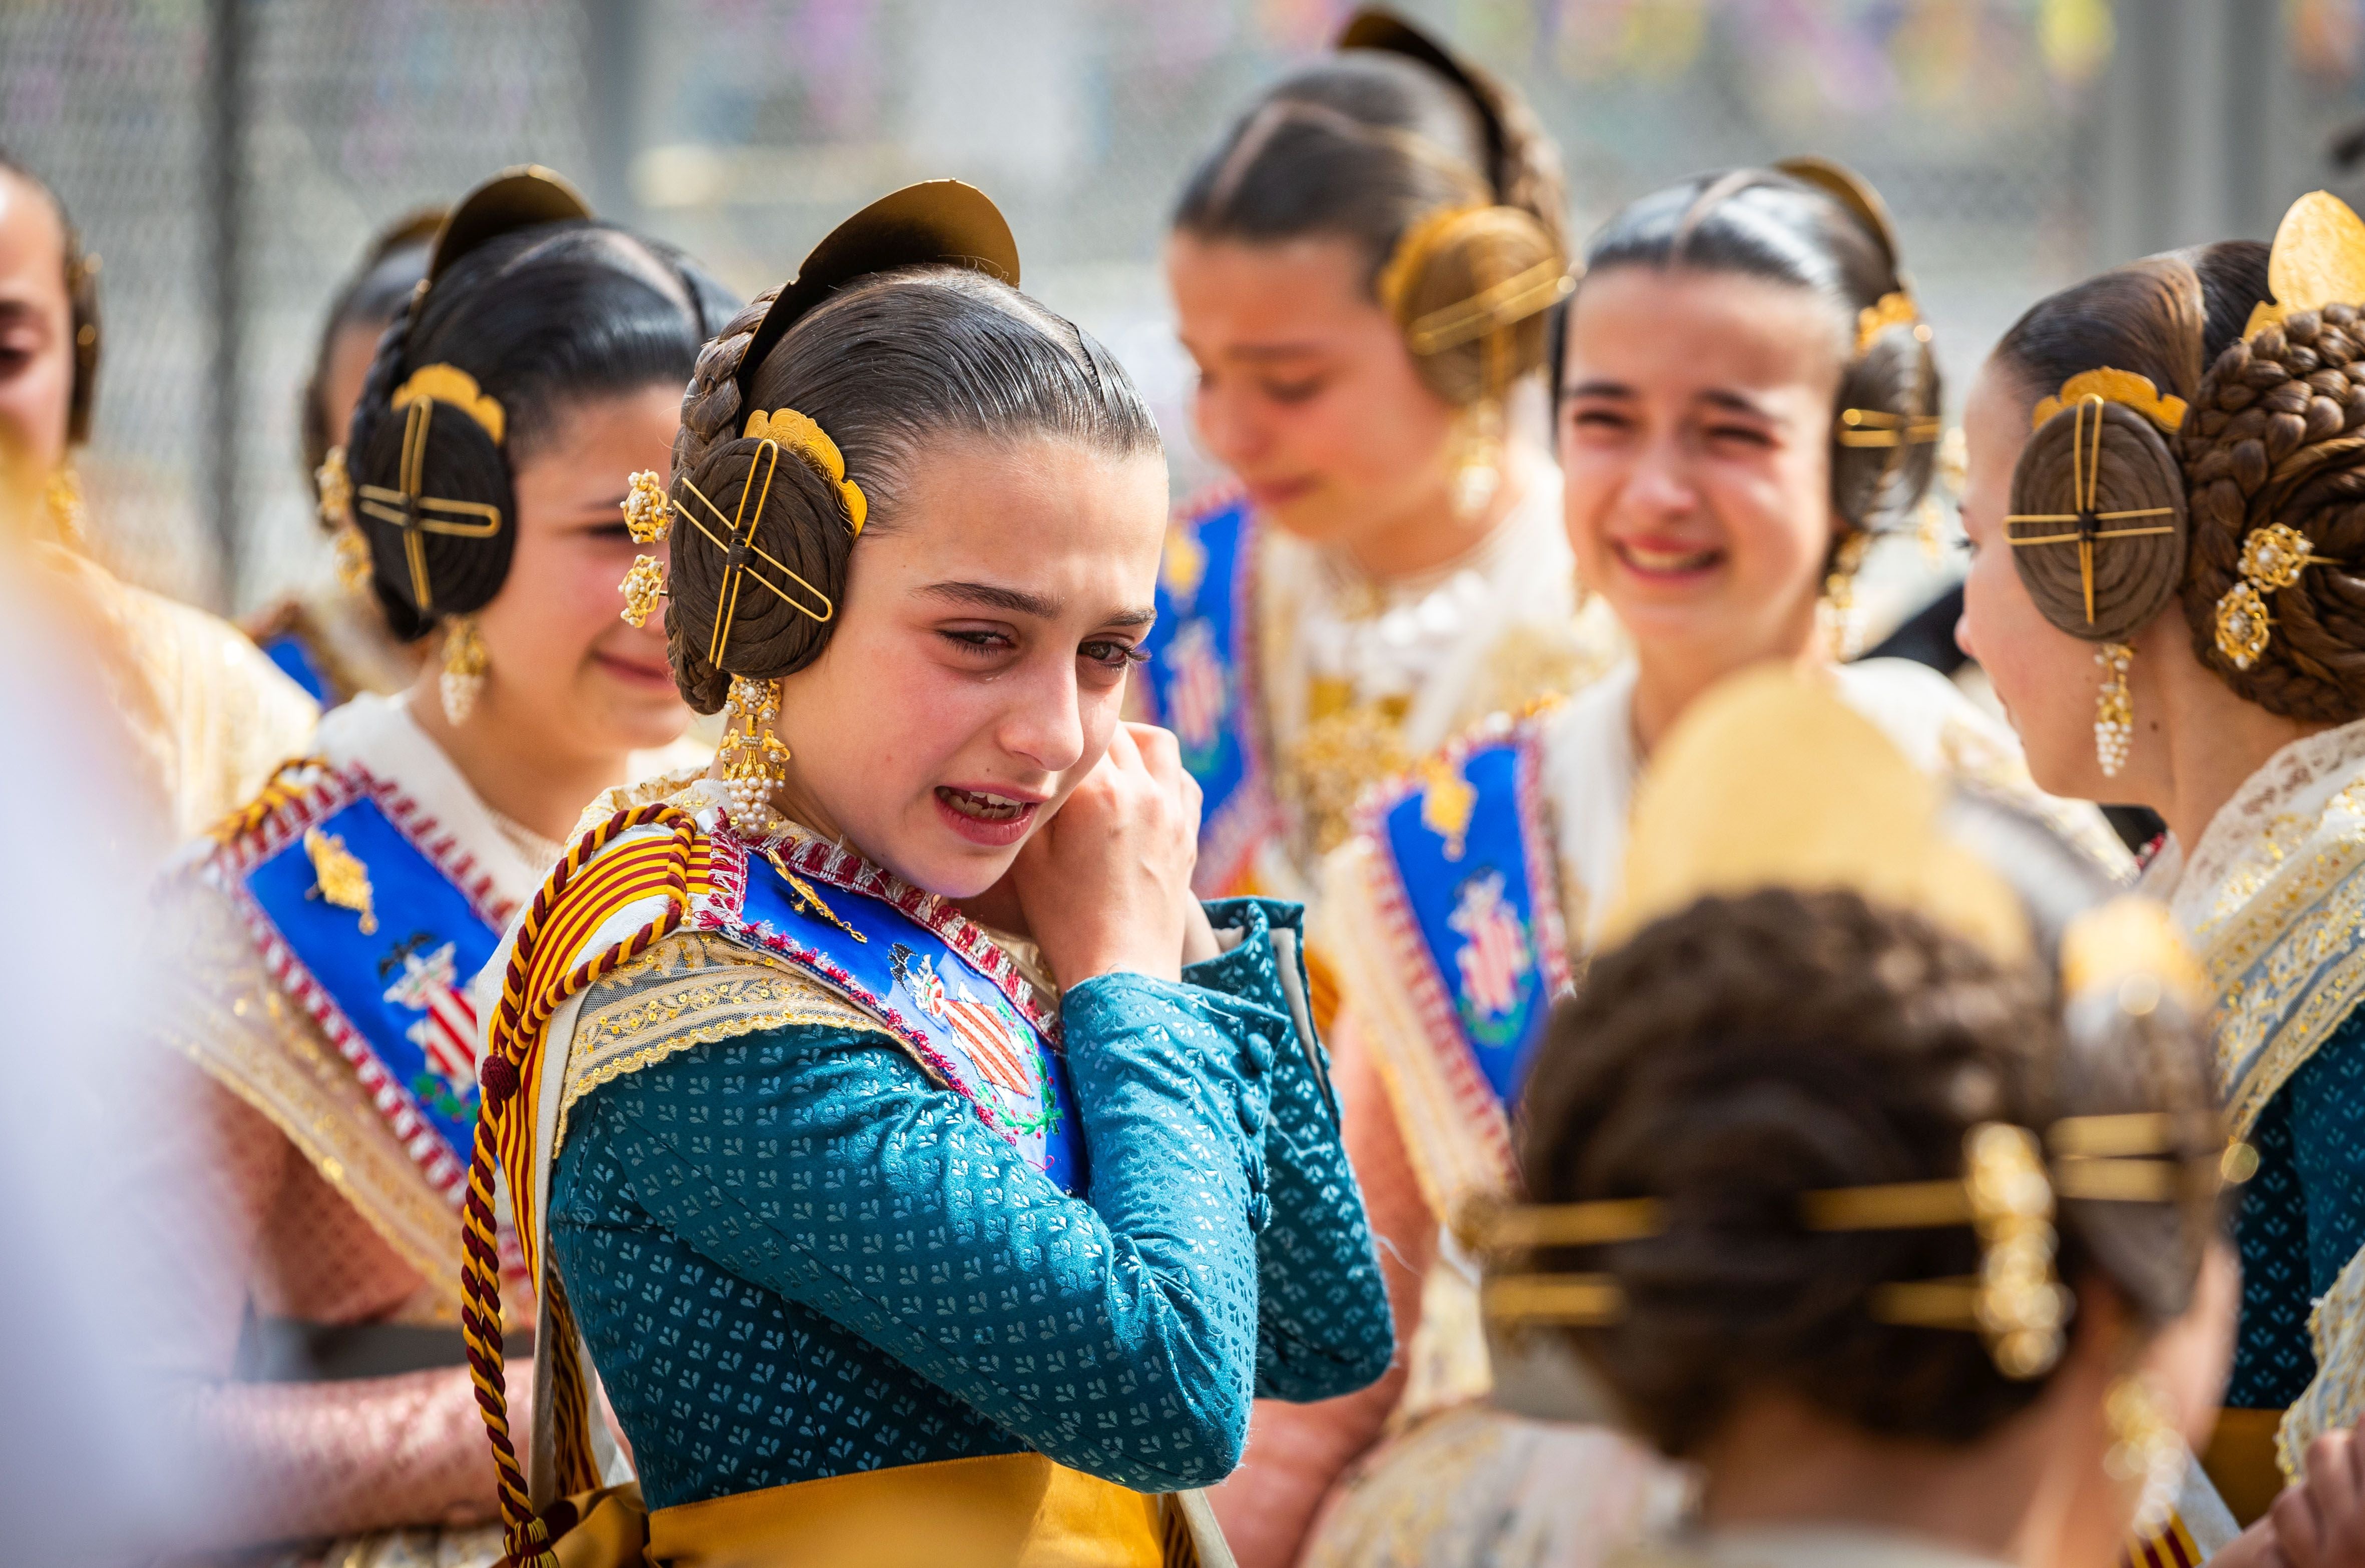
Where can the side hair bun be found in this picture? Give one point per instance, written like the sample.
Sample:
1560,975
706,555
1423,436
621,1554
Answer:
2097,527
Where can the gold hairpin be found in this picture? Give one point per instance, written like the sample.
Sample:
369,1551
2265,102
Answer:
2272,558
2085,483
1491,310
1895,309
2005,1194
417,515
741,545
1871,427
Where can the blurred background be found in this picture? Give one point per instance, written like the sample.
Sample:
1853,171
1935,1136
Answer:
229,159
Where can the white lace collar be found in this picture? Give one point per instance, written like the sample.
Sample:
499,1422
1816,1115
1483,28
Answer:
2255,830
378,733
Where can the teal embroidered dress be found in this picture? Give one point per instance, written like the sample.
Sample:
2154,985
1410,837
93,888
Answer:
794,1255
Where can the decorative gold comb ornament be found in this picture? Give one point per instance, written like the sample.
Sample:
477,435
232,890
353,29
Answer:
2318,260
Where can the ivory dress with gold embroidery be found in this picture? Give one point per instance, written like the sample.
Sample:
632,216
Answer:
1294,681
2272,897
1456,913
329,932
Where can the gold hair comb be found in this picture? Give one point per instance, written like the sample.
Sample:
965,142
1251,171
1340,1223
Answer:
805,437
2109,385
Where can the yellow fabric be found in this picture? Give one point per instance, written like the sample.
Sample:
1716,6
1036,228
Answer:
2240,1459
208,717
1739,798
1006,1511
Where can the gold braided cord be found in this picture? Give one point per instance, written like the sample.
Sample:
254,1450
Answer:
1514,300
570,904
419,515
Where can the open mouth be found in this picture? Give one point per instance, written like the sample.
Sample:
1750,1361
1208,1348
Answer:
1665,563
985,817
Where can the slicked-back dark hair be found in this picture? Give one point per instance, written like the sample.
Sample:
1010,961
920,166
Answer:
543,319
891,365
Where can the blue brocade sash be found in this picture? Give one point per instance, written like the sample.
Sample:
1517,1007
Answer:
373,921
909,959
293,657
1201,683
1471,897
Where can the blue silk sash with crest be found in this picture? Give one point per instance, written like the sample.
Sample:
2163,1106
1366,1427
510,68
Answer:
1200,684
908,960
1470,900
369,918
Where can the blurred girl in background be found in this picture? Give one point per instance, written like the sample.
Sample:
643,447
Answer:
1362,269
333,924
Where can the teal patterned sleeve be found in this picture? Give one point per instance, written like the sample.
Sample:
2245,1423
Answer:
1323,1325
794,1257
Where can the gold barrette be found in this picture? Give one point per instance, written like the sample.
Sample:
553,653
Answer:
2272,559
1895,309
2318,259
2085,483
417,515
739,544
805,437
1871,427
2123,386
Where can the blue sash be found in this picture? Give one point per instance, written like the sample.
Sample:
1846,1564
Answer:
950,1001
294,659
1472,889
1200,683
371,934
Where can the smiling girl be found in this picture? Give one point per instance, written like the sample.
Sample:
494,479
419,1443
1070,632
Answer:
932,1179
1747,395
1361,270
336,921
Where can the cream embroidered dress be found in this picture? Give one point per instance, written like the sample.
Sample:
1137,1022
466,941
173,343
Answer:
329,932
1464,904
2272,897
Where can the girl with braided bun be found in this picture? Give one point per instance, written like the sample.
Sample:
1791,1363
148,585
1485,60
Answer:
332,924
1363,269
926,1174
2166,593
1747,397
1875,1172
331,637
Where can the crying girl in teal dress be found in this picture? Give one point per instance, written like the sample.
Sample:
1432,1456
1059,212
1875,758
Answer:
890,1233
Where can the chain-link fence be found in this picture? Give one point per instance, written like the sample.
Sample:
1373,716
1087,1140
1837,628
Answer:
229,157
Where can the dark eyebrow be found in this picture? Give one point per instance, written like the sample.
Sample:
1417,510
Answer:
1016,601
1599,388
1140,615
1259,351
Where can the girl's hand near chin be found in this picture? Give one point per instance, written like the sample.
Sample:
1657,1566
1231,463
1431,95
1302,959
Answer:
1105,883
2319,1520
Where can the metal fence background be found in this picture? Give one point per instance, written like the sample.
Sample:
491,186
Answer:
229,158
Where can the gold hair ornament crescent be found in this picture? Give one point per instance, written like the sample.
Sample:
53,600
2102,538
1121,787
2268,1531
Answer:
2085,481
2318,259
417,514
